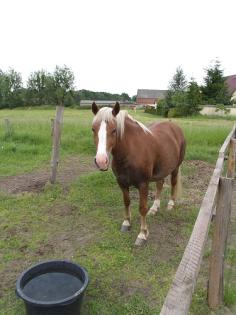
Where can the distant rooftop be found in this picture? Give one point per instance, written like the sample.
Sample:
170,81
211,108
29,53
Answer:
97,102
145,93
103,103
231,81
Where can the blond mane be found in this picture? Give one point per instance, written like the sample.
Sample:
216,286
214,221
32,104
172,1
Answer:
105,113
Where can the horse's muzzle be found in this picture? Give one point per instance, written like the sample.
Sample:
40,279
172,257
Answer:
102,166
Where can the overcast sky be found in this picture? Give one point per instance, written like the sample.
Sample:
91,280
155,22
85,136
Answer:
118,46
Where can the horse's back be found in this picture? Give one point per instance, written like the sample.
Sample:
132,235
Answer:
169,138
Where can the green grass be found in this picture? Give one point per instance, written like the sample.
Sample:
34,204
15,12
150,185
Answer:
83,223
30,142
128,279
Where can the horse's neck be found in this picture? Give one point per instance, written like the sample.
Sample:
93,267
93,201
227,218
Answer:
132,133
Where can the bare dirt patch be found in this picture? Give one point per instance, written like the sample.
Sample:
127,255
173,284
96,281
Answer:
68,170
196,181
65,241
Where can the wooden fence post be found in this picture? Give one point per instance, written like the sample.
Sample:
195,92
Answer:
52,127
56,142
220,232
231,159
8,128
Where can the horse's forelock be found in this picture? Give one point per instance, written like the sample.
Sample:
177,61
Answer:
105,114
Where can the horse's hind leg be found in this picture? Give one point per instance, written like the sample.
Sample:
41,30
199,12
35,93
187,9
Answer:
143,209
126,225
156,205
175,187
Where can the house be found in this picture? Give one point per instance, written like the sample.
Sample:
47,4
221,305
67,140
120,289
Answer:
149,97
233,97
231,83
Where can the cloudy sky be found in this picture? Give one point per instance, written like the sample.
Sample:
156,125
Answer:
118,46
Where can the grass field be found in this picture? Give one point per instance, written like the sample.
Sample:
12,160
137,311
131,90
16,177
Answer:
81,222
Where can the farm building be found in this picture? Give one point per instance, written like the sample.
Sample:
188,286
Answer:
99,103
149,97
88,103
231,82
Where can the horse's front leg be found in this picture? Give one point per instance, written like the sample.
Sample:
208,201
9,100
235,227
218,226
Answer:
126,225
143,209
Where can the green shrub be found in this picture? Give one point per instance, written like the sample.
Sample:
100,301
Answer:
176,112
150,110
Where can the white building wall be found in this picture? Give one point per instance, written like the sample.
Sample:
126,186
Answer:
211,110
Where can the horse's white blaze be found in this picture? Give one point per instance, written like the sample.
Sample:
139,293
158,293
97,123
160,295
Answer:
102,139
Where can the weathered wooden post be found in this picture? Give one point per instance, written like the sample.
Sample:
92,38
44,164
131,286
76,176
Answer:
219,240
57,125
8,128
231,159
52,127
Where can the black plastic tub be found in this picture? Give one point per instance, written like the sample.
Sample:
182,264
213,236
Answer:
53,288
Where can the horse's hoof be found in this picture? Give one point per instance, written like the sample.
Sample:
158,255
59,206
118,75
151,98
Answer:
140,241
125,228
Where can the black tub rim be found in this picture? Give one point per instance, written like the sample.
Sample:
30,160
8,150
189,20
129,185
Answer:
68,300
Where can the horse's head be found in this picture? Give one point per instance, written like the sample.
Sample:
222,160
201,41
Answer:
105,133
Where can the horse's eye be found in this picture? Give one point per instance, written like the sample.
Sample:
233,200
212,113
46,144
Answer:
113,131
93,130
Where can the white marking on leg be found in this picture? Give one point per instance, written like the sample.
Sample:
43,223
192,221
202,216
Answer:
171,204
102,139
142,236
126,223
154,208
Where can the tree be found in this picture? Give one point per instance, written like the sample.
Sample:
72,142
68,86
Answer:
11,88
37,88
194,97
2,78
125,97
101,96
215,89
61,84
133,98
176,96
178,82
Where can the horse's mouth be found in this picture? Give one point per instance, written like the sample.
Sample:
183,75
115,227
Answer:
103,170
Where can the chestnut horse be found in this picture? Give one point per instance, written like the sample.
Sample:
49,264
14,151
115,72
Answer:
140,155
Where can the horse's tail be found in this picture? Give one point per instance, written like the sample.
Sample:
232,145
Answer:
179,187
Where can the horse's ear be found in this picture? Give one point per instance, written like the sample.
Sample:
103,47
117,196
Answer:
116,109
95,108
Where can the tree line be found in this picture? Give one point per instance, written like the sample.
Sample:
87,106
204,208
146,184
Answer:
45,88
184,98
